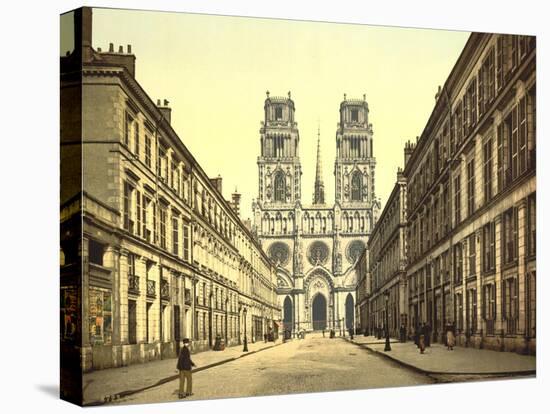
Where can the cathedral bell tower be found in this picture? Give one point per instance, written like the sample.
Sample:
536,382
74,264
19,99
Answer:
279,167
355,162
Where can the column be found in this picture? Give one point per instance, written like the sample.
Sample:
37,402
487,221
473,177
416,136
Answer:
498,265
479,289
123,316
522,246
111,260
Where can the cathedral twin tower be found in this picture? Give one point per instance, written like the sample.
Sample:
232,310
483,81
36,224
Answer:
315,246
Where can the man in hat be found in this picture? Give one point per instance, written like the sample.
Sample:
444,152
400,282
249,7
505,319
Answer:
184,367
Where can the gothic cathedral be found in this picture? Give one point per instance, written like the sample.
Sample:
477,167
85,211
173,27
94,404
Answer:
315,246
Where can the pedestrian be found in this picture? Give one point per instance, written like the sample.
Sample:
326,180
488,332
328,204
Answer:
427,334
402,333
323,332
184,366
450,336
350,330
422,338
417,336
265,337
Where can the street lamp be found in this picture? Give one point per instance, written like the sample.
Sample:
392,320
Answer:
387,347
245,347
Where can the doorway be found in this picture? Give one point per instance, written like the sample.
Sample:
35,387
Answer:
319,313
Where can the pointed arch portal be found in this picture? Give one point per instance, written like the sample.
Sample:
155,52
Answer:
319,312
287,314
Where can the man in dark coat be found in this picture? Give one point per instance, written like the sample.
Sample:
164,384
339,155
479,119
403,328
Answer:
427,334
184,366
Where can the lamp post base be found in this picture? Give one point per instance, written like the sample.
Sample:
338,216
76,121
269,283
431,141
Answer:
387,347
245,347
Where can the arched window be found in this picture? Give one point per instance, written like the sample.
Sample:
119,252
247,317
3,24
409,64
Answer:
356,186
279,187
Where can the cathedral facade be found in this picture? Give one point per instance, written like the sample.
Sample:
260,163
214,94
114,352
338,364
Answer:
315,246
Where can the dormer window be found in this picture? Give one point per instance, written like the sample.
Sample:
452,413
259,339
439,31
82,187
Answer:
278,113
354,115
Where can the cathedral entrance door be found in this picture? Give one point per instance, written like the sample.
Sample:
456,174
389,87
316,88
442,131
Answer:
319,314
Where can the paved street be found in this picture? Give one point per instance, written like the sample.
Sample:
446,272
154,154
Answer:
315,364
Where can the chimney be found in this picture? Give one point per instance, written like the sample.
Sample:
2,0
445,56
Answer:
236,202
83,33
165,110
409,148
217,183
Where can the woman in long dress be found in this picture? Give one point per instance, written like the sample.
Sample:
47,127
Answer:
450,337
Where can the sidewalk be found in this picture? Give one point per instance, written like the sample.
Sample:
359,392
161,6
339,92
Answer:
108,384
438,360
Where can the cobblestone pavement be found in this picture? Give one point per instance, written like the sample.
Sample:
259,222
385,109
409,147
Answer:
105,384
463,361
315,364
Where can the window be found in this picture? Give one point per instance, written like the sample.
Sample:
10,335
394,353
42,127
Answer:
354,115
175,235
488,170
128,214
471,310
522,144
279,187
500,62
489,308
457,251
163,227
509,233
132,322
457,197
472,255
471,187
138,213
488,247
186,245
95,252
532,225
128,121
531,304
472,96
278,113
356,186
510,308
148,150
459,317
131,264
136,139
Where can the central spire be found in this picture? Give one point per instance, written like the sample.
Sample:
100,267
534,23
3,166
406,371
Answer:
319,190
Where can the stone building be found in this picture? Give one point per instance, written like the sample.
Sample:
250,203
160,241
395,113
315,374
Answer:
471,202
151,251
387,250
362,292
315,246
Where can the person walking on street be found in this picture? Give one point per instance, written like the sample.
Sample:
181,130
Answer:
402,333
350,330
427,334
323,332
450,336
184,366
422,339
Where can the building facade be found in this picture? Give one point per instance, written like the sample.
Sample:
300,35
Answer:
315,246
387,250
471,201
151,251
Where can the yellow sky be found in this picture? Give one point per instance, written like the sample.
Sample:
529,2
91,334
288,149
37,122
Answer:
215,70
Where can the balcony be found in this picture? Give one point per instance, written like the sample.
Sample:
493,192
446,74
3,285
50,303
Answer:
164,289
133,284
151,289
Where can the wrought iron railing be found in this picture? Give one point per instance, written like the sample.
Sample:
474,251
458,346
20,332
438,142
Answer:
151,288
133,284
164,289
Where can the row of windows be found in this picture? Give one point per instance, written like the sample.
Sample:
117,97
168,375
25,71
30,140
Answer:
466,250
516,156
478,96
145,218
